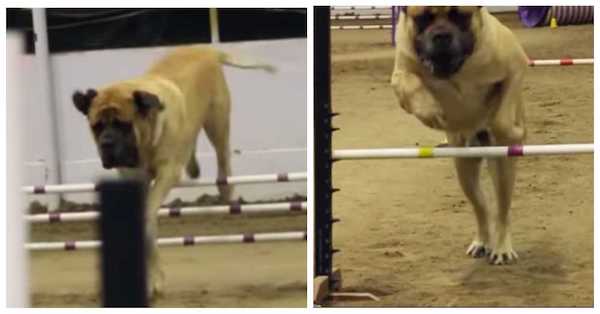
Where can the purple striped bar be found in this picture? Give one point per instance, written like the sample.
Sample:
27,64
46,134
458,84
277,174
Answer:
70,246
283,177
248,238
515,150
188,240
174,212
296,206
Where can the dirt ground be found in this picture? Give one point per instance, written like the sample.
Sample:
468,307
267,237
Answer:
405,224
232,275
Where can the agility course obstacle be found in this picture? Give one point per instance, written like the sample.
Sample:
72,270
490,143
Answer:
324,280
177,241
463,152
357,27
532,16
361,17
250,179
123,255
359,8
232,209
554,62
363,14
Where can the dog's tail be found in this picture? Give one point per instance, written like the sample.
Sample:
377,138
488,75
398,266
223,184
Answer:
244,62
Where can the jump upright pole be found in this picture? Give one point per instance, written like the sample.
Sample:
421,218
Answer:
123,235
322,141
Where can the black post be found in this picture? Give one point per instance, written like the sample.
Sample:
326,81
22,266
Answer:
122,230
323,162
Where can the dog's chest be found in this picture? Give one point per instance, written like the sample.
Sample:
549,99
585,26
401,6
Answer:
467,105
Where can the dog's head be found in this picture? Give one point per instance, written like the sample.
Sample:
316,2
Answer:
118,118
444,36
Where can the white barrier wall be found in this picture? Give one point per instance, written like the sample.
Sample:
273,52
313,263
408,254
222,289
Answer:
268,132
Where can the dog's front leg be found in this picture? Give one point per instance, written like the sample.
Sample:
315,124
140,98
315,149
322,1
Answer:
468,170
415,99
508,129
508,124
503,175
165,179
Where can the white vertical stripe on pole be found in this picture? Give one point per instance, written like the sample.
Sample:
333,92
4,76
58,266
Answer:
17,294
213,14
46,91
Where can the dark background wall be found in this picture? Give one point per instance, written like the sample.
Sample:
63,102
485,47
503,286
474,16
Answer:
92,29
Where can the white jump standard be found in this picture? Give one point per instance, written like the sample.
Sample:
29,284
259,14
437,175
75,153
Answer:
232,209
464,152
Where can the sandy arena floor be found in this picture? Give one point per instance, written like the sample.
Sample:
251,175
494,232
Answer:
233,275
405,225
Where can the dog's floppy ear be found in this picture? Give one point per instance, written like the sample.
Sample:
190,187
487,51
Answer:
84,101
146,101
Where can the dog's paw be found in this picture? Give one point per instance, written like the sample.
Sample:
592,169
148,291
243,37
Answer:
503,256
477,249
155,291
155,285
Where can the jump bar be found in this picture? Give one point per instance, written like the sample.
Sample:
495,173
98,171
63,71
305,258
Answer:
177,241
91,187
359,27
360,8
551,62
445,152
361,17
176,212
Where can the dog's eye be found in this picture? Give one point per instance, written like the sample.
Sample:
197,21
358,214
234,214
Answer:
423,20
460,19
98,127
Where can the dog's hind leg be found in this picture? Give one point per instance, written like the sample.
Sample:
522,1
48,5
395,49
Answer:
192,167
468,170
217,131
219,137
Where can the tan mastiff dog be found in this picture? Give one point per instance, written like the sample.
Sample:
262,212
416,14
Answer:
149,126
459,70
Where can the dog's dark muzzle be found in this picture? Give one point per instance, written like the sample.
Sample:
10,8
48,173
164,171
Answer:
442,53
444,65
116,157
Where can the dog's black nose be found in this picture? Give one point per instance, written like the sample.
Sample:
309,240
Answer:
442,39
107,144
